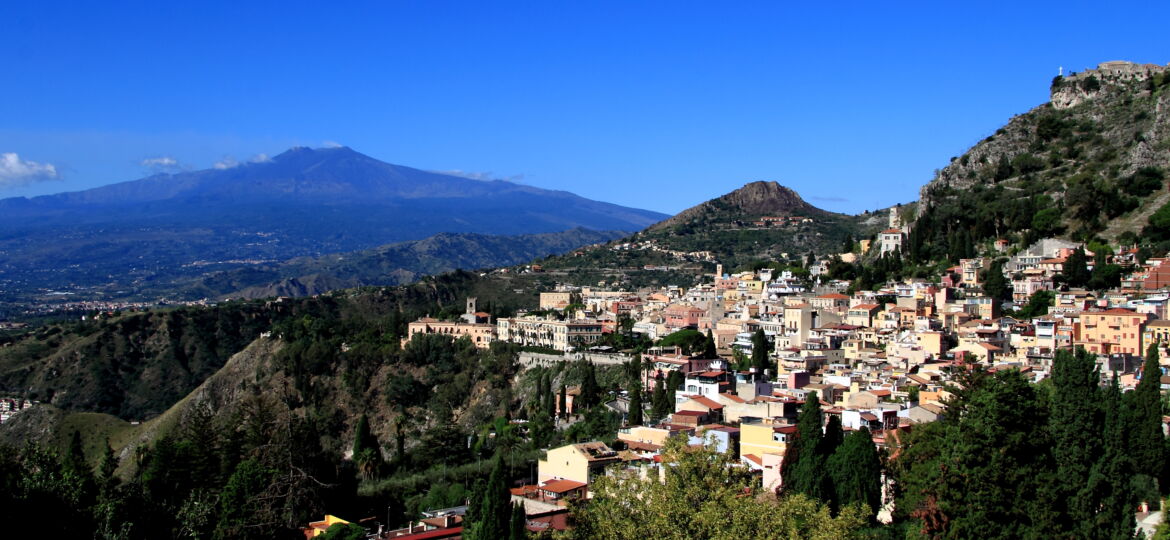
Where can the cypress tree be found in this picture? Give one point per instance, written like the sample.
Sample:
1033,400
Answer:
856,472
589,388
1076,269
635,415
1075,424
1108,484
834,436
494,518
1147,444
659,403
709,346
760,352
518,527
804,469
674,382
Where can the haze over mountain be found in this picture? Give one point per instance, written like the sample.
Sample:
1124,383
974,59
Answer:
303,202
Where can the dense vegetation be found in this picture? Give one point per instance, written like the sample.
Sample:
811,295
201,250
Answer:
1069,458
1088,170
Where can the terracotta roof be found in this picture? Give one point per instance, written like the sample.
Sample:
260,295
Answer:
706,402
754,459
834,296
892,231
733,398
561,486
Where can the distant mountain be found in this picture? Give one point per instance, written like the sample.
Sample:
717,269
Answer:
750,202
393,264
305,202
761,222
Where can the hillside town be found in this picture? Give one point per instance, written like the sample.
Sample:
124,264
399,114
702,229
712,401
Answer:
878,359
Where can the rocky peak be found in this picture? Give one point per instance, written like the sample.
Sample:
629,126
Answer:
1075,88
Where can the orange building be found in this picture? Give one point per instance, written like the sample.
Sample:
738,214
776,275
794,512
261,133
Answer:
1113,331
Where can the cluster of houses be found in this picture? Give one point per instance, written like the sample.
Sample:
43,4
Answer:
876,359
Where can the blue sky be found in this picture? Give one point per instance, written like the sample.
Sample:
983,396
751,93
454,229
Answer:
653,105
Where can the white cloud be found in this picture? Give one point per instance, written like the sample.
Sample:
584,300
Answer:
161,164
18,172
226,163
260,158
485,176
332,144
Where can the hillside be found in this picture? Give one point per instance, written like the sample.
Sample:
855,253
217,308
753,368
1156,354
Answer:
1092,162
135,365
119,241
759,222
393,264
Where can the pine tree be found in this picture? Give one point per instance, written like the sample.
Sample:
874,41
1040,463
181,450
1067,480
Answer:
635,415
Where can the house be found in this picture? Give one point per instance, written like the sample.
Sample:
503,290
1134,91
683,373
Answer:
763,436
577,462
1112,331
890,241
317,528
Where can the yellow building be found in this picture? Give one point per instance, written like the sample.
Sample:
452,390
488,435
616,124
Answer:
1156,332
577,462
317,528
758,437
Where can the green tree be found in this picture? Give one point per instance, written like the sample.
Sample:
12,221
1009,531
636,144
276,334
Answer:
243,512
988,462
804,465
760,359
1109,483
856,472
367,452
709,348
1147,444
704,495
494,516
635,415
996,285
589,395
660,402
344,531
1075,425
1076,269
